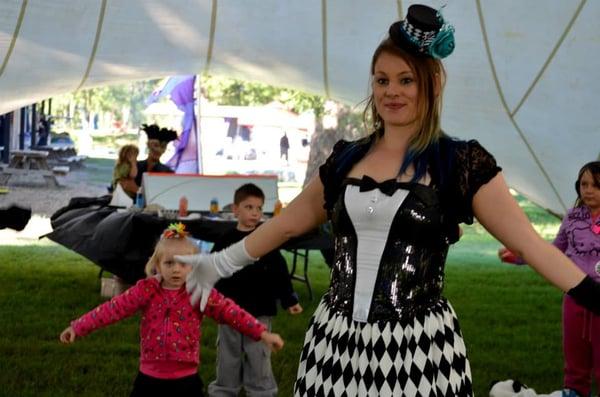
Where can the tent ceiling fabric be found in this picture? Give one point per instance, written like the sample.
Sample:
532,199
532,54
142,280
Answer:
523,79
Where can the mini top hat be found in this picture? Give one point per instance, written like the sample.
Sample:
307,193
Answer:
424,32
161,134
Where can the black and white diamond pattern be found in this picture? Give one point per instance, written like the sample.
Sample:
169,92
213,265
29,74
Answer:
342,357
420,37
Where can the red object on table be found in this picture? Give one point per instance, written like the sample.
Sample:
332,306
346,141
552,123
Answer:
183,206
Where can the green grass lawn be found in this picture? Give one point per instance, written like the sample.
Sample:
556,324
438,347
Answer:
115,140
509,315
99,171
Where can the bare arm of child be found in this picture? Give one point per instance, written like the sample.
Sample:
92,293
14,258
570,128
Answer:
296,309
133,168
129,185
273,341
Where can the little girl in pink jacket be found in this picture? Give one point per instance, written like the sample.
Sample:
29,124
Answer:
170,327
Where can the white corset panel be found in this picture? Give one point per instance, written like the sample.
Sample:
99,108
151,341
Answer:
371,213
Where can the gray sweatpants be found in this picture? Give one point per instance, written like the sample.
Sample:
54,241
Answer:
242,362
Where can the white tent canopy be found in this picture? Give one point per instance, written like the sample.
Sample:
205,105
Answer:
523,80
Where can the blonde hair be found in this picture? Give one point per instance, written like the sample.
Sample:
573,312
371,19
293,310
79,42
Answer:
429,103
159,250
125,152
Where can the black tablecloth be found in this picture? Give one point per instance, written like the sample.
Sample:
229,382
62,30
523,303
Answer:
122,242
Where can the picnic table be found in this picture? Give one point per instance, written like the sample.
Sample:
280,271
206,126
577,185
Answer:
29,164
62,155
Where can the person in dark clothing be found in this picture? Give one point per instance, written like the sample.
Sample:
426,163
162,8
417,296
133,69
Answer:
241,362
43,130
158,138
284,146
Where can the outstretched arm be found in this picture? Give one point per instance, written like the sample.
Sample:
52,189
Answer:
560,241
119,307
500,214
304,213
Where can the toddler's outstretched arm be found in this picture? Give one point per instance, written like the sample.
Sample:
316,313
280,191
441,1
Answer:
119,307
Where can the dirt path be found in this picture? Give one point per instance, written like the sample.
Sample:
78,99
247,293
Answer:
44,200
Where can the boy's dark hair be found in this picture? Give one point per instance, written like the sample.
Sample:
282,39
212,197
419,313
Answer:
247,190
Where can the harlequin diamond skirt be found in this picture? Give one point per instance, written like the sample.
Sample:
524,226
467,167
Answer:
424,356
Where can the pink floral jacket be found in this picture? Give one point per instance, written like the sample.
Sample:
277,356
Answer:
170,327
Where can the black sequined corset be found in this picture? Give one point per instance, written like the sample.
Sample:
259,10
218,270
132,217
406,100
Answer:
410,276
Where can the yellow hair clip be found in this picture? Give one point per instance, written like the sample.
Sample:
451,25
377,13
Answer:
175,230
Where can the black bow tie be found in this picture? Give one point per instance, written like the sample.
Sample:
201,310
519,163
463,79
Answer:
388,187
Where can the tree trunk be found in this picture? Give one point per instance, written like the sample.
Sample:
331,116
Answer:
338,123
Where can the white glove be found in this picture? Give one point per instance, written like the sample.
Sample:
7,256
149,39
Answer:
207,269
201,279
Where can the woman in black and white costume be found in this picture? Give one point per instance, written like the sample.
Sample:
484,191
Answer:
395,199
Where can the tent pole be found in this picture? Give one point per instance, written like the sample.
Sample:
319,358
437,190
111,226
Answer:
198,123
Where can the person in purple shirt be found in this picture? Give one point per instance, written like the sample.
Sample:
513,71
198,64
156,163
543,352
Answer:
579,238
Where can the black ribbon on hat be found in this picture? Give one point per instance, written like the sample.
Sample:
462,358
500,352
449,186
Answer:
387,187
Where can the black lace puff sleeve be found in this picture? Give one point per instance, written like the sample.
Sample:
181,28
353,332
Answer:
329,174
474,167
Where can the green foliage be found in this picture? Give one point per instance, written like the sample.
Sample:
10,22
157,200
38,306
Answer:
544,222
126,101
115,141
228,91
78,106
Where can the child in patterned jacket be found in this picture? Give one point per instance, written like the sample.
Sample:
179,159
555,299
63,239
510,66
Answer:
170,327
